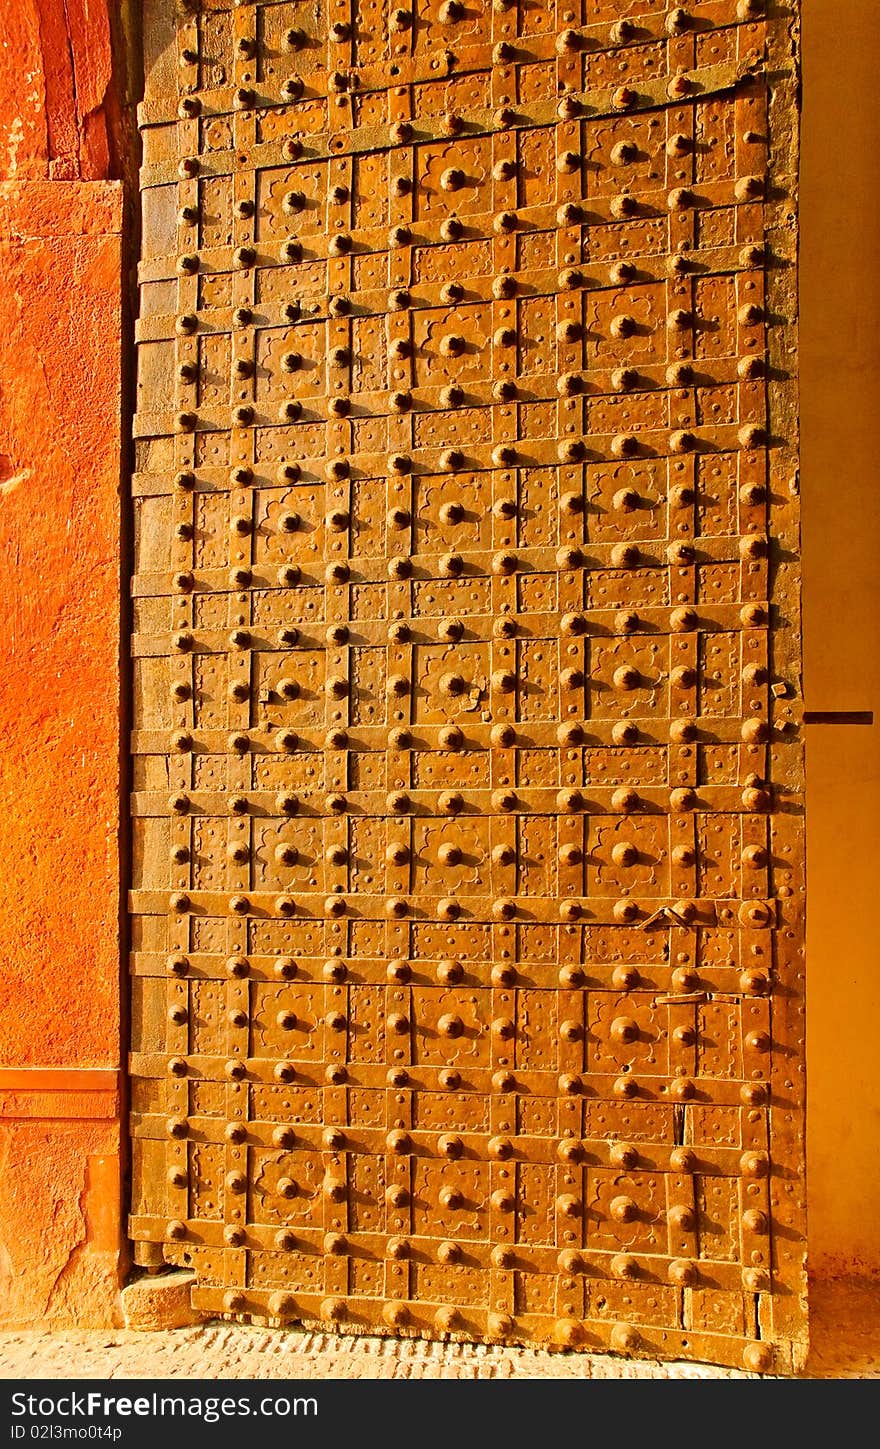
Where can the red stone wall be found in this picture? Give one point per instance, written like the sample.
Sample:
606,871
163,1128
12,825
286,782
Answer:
58,108
61,222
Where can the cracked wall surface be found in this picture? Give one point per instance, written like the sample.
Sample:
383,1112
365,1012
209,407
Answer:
55,78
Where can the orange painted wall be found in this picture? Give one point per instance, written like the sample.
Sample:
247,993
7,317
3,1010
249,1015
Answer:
60,559
840,404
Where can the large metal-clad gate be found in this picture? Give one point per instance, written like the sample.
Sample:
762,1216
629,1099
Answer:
467,881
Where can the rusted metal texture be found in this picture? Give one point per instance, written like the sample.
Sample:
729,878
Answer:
467,896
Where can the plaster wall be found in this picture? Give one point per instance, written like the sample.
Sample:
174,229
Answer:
840,367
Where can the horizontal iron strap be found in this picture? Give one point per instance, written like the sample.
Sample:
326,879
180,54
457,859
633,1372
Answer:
705,262
371,1142
595,1333
596,104
370,1247
598,211
653,976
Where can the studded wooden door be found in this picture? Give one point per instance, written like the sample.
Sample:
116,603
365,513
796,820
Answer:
466,909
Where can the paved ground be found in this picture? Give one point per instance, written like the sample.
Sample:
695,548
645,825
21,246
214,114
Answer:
845,1337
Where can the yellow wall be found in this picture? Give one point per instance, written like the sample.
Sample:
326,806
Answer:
840,421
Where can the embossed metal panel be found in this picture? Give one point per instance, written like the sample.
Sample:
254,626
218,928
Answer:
466,907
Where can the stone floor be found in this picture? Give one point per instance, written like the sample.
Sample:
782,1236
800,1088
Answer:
845,1344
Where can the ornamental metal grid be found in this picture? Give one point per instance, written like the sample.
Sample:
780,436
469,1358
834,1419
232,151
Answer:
468,863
